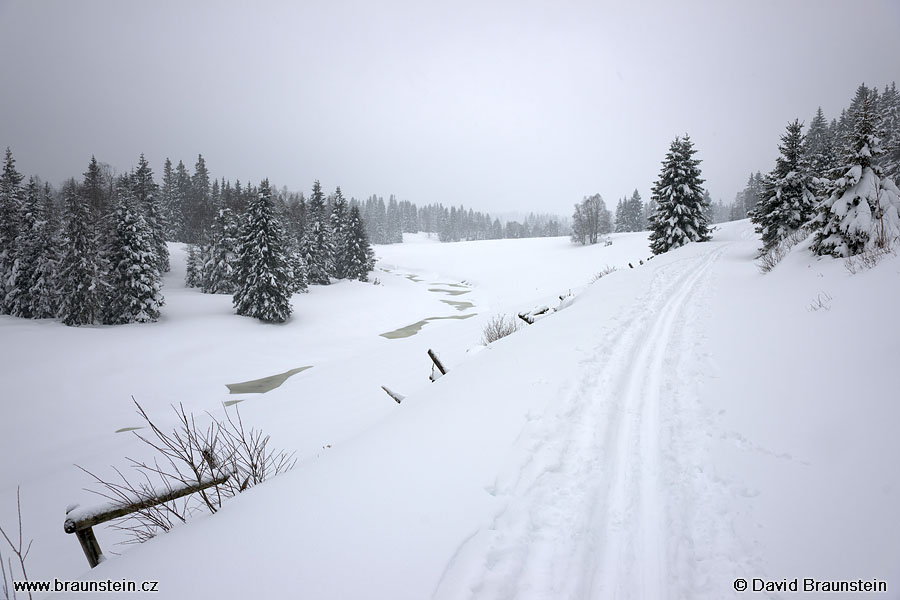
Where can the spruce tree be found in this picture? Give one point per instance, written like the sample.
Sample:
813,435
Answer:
890,117
79,279
181,204
621,225
29,251
263,273
146,192
93,189
316,246
220,257
787,201
167,200
193,271
299,278
861,210
198,211
135,285
393,227
818,154
679,217
340,231
42,243
634,209
361,258
11,202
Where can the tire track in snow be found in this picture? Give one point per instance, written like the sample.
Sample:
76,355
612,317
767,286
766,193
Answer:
584,514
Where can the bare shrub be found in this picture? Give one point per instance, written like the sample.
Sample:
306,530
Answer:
21,552
602,273
191,454
870,257
498,327
770,258
822,301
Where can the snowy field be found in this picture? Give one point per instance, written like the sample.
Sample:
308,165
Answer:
681,424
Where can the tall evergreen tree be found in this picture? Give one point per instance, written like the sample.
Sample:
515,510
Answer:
340,231
171,212
146,193
79,277
11,202
818,153
679,217
787,201
890,117
44,295
199,208
220,255
93,189
29,253
181,205
135,294
360,257
263,274
316,246
861,210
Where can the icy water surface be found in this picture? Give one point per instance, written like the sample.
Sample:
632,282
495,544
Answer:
413,329
261,386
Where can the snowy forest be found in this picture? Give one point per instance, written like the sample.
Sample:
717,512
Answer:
96,251
836,181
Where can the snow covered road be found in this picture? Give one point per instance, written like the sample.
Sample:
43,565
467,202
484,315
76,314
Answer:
585,514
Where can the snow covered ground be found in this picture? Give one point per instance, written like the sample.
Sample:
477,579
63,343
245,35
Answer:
682,424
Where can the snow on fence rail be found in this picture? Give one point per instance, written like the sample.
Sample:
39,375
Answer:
81,520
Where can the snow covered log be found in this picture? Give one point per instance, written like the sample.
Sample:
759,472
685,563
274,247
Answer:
80,520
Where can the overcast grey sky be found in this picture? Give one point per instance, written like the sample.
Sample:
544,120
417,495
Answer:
497,105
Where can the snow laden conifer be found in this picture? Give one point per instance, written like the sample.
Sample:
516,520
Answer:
34,258
861,210
10,214
316,246
43,243
787,201
679,216
147,195
79,277
299,278
360,257
263,274
340,233
193,267
135,286
630,213
220,255
818,154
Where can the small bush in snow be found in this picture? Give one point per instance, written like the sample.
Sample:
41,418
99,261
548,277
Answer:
498,327
773,256
822,301
870,257
599,275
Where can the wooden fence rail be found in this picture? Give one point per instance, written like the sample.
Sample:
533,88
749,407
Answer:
80,521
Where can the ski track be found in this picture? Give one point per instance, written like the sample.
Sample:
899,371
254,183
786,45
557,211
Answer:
585,515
